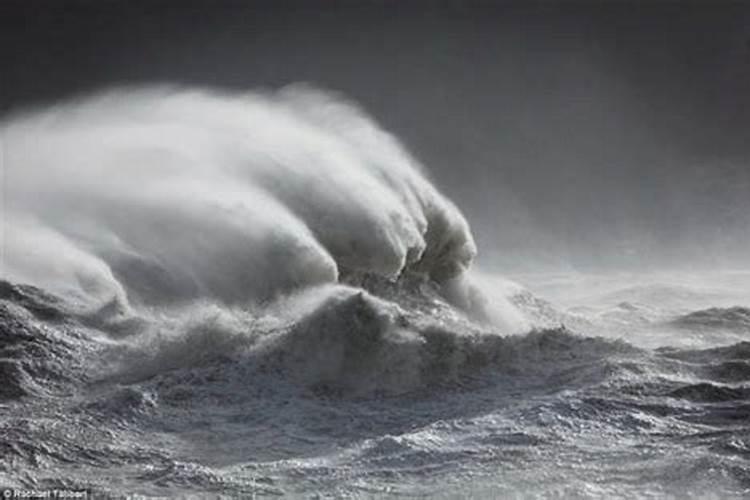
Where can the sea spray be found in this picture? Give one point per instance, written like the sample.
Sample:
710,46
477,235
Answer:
163,196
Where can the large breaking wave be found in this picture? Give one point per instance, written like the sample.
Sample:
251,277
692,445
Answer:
188,224
166,195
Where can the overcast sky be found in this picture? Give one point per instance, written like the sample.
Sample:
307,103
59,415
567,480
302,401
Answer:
571,133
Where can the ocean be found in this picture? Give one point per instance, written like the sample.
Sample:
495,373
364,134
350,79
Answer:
262,295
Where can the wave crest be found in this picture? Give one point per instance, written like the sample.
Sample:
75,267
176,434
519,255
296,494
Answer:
164,194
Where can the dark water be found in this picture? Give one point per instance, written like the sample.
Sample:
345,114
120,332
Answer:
351,395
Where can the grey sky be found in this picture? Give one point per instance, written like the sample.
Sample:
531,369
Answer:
571,133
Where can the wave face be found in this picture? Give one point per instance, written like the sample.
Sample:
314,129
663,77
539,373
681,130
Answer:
262,294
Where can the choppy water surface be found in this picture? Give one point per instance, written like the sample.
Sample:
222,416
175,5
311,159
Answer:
351,395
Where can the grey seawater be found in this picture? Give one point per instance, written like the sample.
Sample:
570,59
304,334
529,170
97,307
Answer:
346,393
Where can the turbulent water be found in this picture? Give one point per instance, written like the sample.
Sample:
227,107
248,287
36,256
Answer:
263,294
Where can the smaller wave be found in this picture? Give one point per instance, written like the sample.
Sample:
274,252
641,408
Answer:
739,351
736,319
729,371
36,357
706,392
124,403
42,305
668,295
